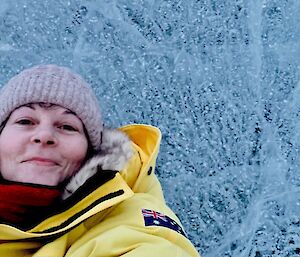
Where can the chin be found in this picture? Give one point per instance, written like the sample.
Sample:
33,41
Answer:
46,180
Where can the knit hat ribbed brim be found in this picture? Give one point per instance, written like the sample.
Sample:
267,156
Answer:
56,85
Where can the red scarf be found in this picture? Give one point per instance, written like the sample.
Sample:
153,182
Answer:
23,204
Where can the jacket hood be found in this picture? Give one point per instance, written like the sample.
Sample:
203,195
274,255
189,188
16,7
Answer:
115,151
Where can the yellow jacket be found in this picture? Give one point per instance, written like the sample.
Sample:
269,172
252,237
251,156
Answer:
111,214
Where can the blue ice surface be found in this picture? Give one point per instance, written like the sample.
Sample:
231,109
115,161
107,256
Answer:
221,81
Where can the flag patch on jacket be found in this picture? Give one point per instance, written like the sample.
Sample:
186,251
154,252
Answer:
154,218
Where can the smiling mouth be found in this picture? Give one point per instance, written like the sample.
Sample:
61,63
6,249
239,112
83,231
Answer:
41,162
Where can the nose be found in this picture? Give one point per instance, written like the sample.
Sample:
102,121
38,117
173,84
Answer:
44,135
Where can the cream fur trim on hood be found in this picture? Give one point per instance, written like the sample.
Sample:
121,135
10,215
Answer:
115,152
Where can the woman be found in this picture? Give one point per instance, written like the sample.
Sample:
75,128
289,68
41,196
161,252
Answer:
69,186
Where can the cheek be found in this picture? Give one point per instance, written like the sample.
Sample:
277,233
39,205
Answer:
9,144
8,152
75,154
77,151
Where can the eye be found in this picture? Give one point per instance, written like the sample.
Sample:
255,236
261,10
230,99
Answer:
24,122
67,127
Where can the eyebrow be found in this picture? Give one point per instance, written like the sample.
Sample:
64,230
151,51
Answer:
48,106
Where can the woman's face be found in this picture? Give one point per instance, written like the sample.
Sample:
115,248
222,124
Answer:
42,145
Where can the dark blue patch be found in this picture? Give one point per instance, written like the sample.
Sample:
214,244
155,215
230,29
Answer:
153,218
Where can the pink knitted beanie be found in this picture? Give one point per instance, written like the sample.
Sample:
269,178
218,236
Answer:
56,85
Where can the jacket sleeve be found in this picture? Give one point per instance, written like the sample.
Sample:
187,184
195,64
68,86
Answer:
124,232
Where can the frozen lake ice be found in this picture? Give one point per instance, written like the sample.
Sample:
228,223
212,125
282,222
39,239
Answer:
221,81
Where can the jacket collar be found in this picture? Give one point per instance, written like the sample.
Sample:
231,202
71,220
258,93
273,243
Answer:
71,213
